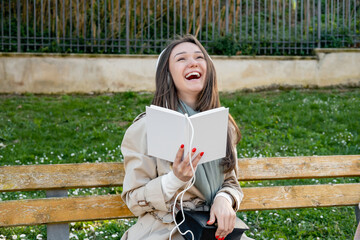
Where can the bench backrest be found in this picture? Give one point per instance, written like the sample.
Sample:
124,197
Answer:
90,175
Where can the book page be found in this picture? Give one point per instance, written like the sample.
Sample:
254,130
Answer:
165,132
210,133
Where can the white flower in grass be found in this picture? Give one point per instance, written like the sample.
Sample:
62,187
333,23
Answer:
114,235
39,236
73,236
73,154
14,236
22,235
92,228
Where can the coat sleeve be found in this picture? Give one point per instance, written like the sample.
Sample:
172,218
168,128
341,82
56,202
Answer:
142,191
231,184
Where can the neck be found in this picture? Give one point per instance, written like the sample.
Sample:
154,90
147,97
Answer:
189,100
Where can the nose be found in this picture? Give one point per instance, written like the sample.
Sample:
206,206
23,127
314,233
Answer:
193,62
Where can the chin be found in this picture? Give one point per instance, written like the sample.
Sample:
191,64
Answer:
196,86
195,90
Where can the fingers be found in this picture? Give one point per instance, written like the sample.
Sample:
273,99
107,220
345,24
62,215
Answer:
187,159
197,159
212,219
181,167
179,155
226,225
225,215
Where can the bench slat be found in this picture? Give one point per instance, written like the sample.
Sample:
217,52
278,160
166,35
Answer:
60,176
301,196
298,167
87,175
55,210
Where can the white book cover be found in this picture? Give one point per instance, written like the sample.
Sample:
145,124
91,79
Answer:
168,129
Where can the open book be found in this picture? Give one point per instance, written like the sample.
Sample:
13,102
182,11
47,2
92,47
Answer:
168,129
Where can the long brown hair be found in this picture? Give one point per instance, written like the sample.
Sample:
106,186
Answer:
166,95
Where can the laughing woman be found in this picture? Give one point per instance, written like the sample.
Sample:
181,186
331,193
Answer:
185,82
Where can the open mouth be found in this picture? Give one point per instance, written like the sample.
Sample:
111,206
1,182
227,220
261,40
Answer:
193,75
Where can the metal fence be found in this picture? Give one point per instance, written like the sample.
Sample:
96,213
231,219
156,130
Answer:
291,27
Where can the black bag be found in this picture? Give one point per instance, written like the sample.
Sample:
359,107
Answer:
196,222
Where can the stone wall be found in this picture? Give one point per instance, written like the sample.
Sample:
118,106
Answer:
80,73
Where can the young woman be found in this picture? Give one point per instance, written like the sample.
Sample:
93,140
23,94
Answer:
185,82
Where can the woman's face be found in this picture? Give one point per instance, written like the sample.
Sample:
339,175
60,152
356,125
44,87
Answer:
188,69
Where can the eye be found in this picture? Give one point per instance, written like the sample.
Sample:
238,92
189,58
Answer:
200,57
180,59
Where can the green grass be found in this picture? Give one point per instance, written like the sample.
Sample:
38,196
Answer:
80,128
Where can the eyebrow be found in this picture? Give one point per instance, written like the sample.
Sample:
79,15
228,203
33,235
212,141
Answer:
186,52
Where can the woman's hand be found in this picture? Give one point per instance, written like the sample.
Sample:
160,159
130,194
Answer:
225,215
182,168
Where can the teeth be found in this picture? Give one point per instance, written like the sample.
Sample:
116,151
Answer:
192,74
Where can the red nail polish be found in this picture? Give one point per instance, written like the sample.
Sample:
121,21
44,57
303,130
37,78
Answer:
194,150
182,146
202,153
217,237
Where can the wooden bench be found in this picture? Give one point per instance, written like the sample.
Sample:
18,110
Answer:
58,208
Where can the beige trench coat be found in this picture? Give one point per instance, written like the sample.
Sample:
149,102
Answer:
142,191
